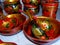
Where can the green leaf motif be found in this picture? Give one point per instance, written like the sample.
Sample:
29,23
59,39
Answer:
7,25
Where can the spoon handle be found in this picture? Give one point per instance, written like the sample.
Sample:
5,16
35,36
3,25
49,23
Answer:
27,13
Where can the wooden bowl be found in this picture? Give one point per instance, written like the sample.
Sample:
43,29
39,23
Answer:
34,35
12,24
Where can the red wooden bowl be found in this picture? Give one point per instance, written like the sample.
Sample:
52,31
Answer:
11,24
42,30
